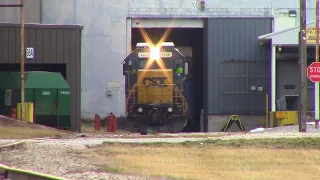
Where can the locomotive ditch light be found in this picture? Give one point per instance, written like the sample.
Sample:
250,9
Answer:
170,109
140,110
155,53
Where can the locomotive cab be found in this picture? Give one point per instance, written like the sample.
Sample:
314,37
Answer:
156,81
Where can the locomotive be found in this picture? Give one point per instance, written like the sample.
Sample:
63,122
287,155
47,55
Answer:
155,88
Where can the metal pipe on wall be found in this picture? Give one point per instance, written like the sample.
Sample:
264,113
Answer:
267,110
22,52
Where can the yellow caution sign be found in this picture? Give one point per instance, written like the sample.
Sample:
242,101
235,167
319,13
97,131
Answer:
232,119
311,35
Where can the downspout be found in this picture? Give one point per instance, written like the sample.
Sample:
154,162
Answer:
205,78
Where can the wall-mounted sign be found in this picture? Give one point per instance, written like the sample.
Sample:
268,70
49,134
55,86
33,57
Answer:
46,93
29,52
311,35
195,4
64,92
8,97
114,84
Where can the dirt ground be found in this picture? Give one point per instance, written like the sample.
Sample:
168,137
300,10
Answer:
208,161
16,129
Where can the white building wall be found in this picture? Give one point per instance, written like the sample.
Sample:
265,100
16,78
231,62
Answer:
103,48
32,11
104,36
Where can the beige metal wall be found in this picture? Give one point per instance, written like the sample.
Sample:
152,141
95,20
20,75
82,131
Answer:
12,14
53,44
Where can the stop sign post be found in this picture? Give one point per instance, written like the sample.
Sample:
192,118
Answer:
313,72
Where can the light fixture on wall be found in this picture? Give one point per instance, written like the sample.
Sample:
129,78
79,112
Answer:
202,5
292,13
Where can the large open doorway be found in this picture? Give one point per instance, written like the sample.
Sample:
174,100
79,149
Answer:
61,68
190,41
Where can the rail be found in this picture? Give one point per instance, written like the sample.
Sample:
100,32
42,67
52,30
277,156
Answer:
178,97
8,173
19,174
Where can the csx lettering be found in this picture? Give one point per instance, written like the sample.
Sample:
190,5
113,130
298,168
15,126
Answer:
154,81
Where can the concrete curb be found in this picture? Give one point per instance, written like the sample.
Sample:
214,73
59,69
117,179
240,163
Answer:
12,145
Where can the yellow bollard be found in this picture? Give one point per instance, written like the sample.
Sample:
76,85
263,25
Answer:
28,114
19,111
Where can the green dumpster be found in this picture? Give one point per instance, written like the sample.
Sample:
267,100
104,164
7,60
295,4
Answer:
49,92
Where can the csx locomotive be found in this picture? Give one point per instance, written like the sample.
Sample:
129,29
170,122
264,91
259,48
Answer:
156,81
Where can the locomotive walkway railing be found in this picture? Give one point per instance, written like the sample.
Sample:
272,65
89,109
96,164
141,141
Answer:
178,97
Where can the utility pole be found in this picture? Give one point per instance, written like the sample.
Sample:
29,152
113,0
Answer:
22,52
303,69
316,86
22,60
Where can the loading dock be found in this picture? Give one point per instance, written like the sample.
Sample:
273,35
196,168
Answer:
187,35
285,79
227,62
57,48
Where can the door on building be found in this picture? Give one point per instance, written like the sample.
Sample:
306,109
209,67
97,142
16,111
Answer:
288,79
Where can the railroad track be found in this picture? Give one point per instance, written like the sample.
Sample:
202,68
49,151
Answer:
8,173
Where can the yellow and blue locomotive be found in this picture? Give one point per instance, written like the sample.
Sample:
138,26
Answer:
156,81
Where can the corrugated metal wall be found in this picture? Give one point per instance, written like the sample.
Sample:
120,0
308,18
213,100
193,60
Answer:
32,11
53,44
236,62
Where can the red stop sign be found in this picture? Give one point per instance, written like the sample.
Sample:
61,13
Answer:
313,72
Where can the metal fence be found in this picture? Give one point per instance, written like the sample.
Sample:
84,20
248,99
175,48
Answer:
208,12
211,12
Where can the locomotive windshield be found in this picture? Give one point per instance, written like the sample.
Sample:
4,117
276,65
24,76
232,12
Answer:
168,63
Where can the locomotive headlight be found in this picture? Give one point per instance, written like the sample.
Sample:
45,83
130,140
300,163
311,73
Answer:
155,53
140,110
170,109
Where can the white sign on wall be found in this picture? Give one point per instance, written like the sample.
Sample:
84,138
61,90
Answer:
195,4
65,92
46,93
8,97
29,52
114,84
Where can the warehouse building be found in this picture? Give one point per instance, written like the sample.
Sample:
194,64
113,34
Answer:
285,64
54,48
232,73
